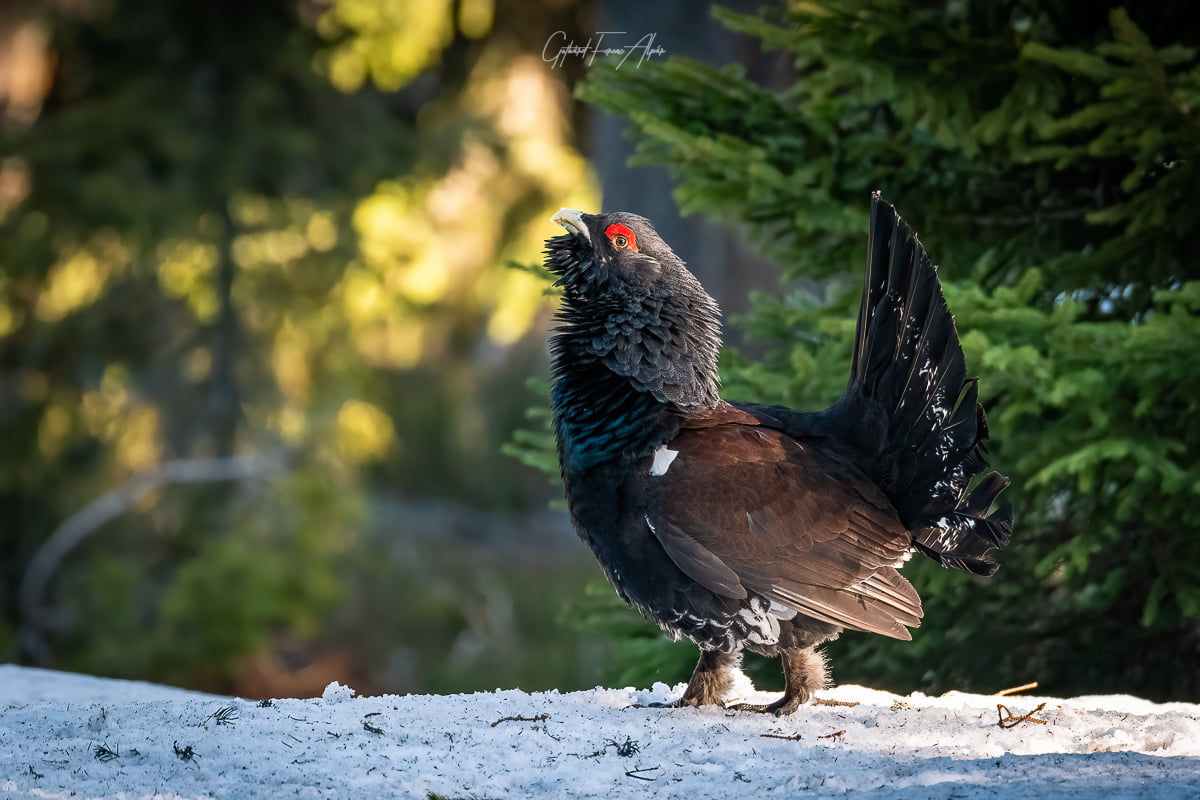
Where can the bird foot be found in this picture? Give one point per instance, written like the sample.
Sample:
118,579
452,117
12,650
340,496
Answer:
781,708
711,682
673,704
804,672
689,698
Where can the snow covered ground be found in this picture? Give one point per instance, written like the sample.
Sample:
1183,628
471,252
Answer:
74,736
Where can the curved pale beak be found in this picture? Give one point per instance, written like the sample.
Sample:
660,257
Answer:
572,221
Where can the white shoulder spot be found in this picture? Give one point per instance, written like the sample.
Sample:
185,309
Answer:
663,458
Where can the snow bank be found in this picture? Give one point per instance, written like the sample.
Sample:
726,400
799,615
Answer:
74,736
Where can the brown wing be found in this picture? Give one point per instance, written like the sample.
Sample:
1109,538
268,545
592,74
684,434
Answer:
745,509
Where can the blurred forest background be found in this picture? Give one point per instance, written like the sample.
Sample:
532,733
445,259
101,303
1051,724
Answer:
269,308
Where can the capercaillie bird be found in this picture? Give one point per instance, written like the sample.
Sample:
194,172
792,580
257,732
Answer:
751,527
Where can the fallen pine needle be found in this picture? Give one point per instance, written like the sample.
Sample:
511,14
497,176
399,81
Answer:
1017,689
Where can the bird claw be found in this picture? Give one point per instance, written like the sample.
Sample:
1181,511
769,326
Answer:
781,708
673,704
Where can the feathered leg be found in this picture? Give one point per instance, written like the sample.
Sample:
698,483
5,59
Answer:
804,672
712,680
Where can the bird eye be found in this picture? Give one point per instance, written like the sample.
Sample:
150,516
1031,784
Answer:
621,237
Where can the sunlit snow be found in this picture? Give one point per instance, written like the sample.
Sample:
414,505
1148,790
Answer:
67,736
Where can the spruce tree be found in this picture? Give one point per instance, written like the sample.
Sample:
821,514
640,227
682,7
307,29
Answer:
1047,154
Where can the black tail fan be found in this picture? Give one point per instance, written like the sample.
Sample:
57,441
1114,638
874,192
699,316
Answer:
907,358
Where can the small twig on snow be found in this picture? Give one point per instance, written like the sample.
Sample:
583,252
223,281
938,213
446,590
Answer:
633,773
822,701
1012,721
538,718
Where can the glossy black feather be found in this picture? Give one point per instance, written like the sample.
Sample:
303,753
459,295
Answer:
908,360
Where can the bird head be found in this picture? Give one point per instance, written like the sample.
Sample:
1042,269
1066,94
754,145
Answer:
617,254
630,300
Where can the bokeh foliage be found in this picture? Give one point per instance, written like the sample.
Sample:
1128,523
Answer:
275,228
1047,153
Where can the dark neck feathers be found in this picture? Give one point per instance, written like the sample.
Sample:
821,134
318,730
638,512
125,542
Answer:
627,370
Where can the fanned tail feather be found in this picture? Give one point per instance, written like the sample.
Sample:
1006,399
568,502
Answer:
908,360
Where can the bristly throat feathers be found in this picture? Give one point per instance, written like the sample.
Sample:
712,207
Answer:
628,370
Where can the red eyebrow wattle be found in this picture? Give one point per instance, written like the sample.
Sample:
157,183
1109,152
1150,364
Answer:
617,229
